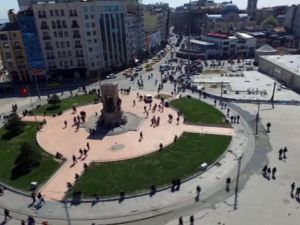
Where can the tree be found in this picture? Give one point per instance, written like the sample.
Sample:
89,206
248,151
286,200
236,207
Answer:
14,126
54,99
27,160
14,123
268,127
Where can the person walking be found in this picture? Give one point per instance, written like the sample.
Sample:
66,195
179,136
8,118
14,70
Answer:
80,153
180,221
285,150
74,159
66,123
88,145
293,185
297,192
191,219
280,154
33,197
141,135
264,170
1,191
7,214
40,198
273,173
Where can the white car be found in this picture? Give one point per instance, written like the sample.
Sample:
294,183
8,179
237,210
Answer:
111,76
148,98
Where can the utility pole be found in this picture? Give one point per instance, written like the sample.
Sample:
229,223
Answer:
273,94
237,183
257,119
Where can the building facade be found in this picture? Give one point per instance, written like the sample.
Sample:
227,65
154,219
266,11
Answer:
13,52
251,9
82,38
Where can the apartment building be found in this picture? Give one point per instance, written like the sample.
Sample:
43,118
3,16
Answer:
82,38
13,52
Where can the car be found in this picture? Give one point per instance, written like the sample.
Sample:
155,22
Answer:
139,68
148,98
135,74
149,69
111,76
147,65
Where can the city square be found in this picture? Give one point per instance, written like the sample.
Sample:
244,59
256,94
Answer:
122,112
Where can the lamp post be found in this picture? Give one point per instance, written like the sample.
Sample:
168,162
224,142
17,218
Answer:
237,182
189,39
257,119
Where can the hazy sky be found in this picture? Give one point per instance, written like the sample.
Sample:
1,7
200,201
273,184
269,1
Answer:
12,4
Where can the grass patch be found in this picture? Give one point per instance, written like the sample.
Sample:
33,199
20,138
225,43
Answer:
177,160
66,104
10,150
163,96
198,112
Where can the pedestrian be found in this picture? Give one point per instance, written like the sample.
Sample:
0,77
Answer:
133,102
284,152
33,197
180,221
273,173
81,153
238,119
141,135
85,152
1,191
293,185
192,219
280,154
85,166
41,198
198,189
76,176
66,123
23,222
6,214
74,159
269,172
88,145
264,170
30,220
297,192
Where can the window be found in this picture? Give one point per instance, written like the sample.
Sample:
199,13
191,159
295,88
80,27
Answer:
64,24
86,17
56,12
57,44
62,44
60,34
93,25
7,55
87,25
66,34
58,23
94,32
92,16
51,12
88,33
53,25
55,34
62,12
67,44
44,25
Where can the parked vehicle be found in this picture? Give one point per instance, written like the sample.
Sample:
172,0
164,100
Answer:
148,98
111,76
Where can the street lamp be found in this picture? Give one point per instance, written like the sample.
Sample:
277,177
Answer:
257,119
237,182
189,39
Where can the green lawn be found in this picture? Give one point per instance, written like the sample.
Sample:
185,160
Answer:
9,151
66,104
177,160
198,112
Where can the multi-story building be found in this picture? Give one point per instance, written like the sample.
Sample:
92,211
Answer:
246,45
82,38
13,52
251,9
136,33
156,19
32,45
25,4
226,46
292,20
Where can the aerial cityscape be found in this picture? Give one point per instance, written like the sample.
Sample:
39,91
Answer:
144,113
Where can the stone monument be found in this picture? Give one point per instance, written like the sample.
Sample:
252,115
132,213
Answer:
111,114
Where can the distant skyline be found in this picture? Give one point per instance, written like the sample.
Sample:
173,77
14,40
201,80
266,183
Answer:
12,4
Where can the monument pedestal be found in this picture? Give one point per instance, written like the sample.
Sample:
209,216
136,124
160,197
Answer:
111,114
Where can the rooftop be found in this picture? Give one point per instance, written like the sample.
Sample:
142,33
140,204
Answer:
244,35
201,42
287,62
8,27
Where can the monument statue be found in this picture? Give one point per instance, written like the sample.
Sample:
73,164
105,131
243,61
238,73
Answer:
111,114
